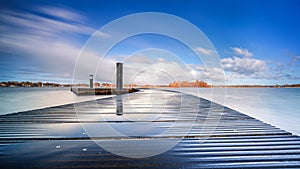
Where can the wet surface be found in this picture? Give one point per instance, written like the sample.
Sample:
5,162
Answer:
197,133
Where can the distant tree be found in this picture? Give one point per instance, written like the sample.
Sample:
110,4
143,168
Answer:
39,84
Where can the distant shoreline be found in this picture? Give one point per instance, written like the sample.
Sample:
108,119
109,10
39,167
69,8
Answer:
176,84
155,87
237,87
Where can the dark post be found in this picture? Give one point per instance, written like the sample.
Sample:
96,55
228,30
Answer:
119,76
119,102
91,81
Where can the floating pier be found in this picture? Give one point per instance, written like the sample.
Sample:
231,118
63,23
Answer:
220,137
101,91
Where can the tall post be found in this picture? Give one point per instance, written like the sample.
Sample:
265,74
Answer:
119,76
91,81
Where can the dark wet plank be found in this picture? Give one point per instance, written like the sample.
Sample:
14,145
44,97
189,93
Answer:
220,137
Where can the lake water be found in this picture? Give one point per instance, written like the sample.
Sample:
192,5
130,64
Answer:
276,106
14,100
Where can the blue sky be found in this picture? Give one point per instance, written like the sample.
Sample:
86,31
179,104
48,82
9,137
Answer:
257,41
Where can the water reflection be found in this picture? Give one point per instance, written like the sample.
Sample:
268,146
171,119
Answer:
119,106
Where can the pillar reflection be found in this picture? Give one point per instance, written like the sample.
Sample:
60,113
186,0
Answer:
119,106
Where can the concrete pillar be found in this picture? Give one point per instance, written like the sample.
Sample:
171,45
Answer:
119,76
91,81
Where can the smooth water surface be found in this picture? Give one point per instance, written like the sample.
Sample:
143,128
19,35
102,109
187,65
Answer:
19,99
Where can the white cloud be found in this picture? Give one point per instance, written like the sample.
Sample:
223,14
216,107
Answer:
204,51
211,75
49,42
246,66
101,34
29,23
159,71
151,66
145,71
62,13
294,60
241,52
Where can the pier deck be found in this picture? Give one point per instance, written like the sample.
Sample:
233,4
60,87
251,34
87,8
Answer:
220,137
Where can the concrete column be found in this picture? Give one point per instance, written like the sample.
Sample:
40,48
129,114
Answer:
91,81
119,76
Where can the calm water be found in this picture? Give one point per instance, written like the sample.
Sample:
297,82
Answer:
21,99
279,107
276,106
